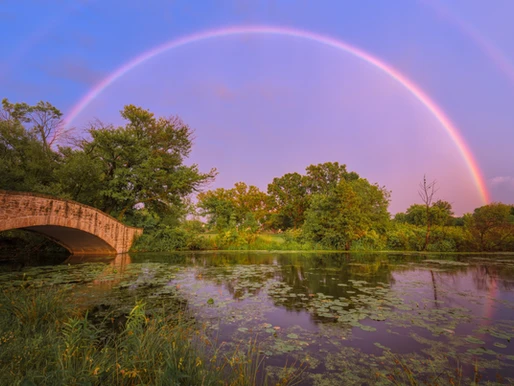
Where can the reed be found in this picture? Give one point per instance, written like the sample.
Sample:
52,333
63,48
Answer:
45,341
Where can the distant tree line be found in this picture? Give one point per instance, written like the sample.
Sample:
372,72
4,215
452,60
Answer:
136,172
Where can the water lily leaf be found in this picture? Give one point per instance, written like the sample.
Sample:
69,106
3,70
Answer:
471,339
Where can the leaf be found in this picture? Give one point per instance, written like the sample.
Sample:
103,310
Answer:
471,339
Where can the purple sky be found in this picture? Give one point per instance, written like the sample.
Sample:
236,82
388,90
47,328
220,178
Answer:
264,105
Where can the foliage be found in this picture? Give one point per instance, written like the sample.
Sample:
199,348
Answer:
491,227
290,195
165,239
42,120
347,213
137,173
323,178
289,200
440,213
141,163
405,237
241,208
27,163
46,342
117,168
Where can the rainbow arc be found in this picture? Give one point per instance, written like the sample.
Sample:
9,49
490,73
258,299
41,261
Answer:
371,60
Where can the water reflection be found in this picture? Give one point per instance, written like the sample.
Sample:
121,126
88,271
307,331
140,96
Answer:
313,307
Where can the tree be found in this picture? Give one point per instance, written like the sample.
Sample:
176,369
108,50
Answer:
491,227
43,120
80,177
426,192
241,207
27,163
346,213
322,178
139,163
440,213
289,200
290,195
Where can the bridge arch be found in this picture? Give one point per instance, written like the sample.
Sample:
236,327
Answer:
79,228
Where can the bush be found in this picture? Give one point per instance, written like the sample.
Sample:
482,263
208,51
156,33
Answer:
372,241
167,238
405,237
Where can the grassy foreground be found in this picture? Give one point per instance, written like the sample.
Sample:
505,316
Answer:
44,340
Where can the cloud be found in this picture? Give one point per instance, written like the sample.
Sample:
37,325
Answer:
75,70
502,181
502,189
222,91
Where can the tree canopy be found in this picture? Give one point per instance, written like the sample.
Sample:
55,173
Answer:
137,172
115,169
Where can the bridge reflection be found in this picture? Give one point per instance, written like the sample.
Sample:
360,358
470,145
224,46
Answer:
110,276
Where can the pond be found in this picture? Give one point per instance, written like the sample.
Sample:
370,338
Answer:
341,319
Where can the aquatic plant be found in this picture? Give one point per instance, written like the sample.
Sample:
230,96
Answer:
44,341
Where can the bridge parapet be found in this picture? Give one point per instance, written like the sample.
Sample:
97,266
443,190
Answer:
79,228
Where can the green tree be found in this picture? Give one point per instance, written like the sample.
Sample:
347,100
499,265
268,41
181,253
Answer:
346,213
491,227
289,201
440,213
322,178
290,195
218,206
242,207
139,163
43,120
27,161
80,176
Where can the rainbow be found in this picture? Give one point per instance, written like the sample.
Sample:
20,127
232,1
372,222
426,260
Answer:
414,89
498,58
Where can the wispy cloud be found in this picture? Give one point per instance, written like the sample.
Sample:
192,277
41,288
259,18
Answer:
222,91
75,70
502,181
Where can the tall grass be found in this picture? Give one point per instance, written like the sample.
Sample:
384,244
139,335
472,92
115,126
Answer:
44,340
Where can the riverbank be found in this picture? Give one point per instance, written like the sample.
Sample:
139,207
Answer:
45,340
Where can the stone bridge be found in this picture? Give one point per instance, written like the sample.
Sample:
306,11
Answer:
79,228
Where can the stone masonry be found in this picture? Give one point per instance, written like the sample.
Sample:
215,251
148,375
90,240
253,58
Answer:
79,228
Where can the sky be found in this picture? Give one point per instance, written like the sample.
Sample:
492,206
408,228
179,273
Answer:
393,89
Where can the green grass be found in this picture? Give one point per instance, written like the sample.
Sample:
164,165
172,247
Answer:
44,340
271,238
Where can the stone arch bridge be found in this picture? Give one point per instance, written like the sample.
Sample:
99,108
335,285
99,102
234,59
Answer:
79,228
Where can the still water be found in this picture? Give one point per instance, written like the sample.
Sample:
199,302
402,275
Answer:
341,318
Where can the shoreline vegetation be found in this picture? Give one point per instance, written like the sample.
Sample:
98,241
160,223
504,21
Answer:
47,337
137,174
45,340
